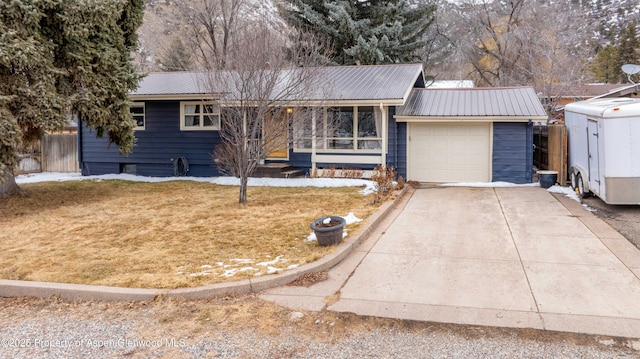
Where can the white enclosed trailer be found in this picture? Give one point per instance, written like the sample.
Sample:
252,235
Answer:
604,148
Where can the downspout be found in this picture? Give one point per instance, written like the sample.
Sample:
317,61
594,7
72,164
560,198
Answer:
385,135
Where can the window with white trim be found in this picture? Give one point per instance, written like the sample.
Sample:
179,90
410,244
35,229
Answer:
138,113
340,129
303,127
340,124
199,116
369,135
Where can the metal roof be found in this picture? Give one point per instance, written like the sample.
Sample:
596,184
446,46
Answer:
334,83
516,102
627,90
172,83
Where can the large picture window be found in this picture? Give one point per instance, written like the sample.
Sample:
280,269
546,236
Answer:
303,126
340,129
199,116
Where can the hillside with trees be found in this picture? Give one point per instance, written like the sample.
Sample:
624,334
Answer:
493,43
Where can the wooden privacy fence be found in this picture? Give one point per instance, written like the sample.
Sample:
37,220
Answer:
59,153
551,149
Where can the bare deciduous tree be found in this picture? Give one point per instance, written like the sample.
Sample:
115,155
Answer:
516,43
207,28
270,77
213,28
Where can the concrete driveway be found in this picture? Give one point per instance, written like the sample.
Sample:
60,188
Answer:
509,257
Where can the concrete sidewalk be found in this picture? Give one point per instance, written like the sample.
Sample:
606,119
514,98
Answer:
508,257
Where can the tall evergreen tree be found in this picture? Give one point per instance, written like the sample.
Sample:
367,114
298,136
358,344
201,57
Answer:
365,31
628,49
605,65
58,56
177,57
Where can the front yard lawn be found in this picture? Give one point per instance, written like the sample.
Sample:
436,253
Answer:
163,235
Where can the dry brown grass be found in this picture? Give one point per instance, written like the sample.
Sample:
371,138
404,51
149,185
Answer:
161,235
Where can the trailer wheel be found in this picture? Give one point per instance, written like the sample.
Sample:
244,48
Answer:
581,191
574,181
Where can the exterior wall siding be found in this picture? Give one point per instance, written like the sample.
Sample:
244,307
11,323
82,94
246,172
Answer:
159,143
392,139
512,152
162,141
401,155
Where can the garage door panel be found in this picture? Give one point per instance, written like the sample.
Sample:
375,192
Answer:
441,152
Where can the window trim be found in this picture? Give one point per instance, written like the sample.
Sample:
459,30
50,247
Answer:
144,115
322,138
201,126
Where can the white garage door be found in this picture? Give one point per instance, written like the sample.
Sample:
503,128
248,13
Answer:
441,152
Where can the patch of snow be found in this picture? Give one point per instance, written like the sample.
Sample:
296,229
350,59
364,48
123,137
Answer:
272,270
48,177
567,191
327,220
312,237
369,186
267,264
292,266
570,193
242,260
351,218
489,184
206,266
229,272
200,274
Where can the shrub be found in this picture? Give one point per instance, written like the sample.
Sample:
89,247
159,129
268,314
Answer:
384,178
401,183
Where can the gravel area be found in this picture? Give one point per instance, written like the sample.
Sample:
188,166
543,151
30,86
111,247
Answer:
246,327
624,219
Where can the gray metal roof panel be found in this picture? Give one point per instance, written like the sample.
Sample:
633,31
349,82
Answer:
473,102
172,83
377,82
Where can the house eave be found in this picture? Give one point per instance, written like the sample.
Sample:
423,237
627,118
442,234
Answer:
370,102
173,97
418,119
293,103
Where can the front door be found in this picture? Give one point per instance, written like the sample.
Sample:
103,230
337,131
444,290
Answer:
276,136
594,160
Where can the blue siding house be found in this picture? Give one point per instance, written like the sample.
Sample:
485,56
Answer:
384,115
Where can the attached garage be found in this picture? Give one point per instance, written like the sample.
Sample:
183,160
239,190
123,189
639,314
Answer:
449,152
470,135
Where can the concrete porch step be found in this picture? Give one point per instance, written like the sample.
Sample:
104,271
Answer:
277,170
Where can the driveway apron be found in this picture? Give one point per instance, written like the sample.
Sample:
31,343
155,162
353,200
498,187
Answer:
511,257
